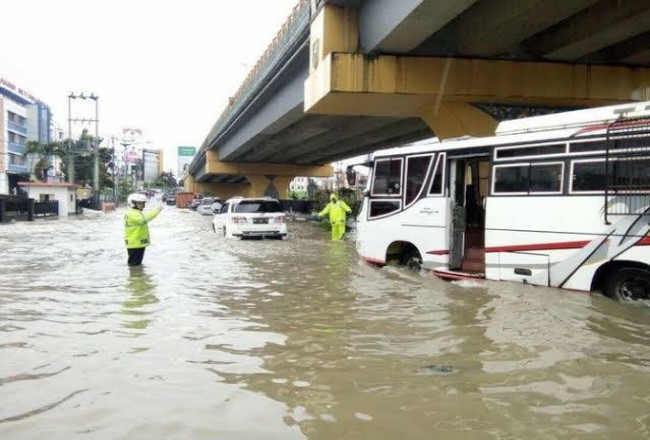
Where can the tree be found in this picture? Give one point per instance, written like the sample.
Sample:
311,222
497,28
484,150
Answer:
297,195
124,187
166,180
84,160
39,155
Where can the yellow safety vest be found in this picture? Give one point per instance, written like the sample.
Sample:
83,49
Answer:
337,211
136,231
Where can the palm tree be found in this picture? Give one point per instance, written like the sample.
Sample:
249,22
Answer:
38,155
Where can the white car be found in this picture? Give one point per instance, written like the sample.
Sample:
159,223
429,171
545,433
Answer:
207,206
251,217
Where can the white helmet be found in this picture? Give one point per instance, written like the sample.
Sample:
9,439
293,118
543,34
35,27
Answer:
135,198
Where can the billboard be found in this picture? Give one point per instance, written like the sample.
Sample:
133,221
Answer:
185,156
151,164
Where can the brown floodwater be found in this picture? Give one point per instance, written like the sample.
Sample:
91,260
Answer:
296,339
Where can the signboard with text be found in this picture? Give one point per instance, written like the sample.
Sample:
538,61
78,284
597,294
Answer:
185,156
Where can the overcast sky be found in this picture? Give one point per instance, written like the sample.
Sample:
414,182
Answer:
164,66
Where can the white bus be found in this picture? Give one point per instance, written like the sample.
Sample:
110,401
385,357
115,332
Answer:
558,200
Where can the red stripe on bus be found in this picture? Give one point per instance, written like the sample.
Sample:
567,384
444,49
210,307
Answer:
539,246
440,252
372,260
645,241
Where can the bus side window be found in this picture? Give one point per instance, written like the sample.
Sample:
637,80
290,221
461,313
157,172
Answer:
512,179
387,177
438,176
380,208
417,168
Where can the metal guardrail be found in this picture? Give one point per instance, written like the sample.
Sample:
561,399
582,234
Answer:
17,168
17,148
297,206
46,209
289,34
16,208
16,127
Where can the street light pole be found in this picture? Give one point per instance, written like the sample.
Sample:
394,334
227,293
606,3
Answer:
96,165
71,175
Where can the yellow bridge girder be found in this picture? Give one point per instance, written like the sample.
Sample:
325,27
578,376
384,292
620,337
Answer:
259,177
442,90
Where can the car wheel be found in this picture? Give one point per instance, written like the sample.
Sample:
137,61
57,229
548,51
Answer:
412,260
628,284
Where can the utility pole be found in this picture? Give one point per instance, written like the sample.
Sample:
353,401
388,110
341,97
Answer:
94,148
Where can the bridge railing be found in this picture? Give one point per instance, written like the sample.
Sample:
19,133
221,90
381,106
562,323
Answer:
295,26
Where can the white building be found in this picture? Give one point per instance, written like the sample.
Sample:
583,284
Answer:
152,163
64,193
129,154
299,184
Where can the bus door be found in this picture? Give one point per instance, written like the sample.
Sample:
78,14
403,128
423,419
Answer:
468,189
458,213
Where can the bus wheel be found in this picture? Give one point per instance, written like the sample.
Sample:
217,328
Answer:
412,260
628,284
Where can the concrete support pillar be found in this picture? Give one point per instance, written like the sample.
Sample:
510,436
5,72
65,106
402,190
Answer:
262,179
453,119
269,186
223,190
189,183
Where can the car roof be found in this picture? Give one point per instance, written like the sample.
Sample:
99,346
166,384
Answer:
251,199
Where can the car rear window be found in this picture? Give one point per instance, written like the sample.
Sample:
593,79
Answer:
258,206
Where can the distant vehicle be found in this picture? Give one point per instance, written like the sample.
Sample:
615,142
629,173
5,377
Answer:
560,200
216,206
195,204
205,207
251,217
167,195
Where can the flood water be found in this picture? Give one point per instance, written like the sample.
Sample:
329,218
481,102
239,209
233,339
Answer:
296,339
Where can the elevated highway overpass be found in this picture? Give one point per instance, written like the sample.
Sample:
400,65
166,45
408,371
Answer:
345,77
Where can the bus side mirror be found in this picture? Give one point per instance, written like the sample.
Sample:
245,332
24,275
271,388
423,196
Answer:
351,176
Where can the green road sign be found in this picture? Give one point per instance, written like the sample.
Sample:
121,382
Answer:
186,151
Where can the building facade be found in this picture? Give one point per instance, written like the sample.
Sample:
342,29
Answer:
152,162
299,184
23,118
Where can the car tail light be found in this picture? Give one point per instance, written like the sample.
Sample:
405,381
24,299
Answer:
238,219
279,219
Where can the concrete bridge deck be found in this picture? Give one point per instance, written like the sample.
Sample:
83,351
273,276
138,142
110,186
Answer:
345,77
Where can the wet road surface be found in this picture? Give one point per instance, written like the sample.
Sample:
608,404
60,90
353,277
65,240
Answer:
296,339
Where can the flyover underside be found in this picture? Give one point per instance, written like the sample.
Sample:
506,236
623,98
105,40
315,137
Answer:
322,139
223,179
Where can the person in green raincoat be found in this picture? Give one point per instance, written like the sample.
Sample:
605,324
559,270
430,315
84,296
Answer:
337,210
136,229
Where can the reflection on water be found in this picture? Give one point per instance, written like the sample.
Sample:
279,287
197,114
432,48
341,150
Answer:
140,284
296,339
